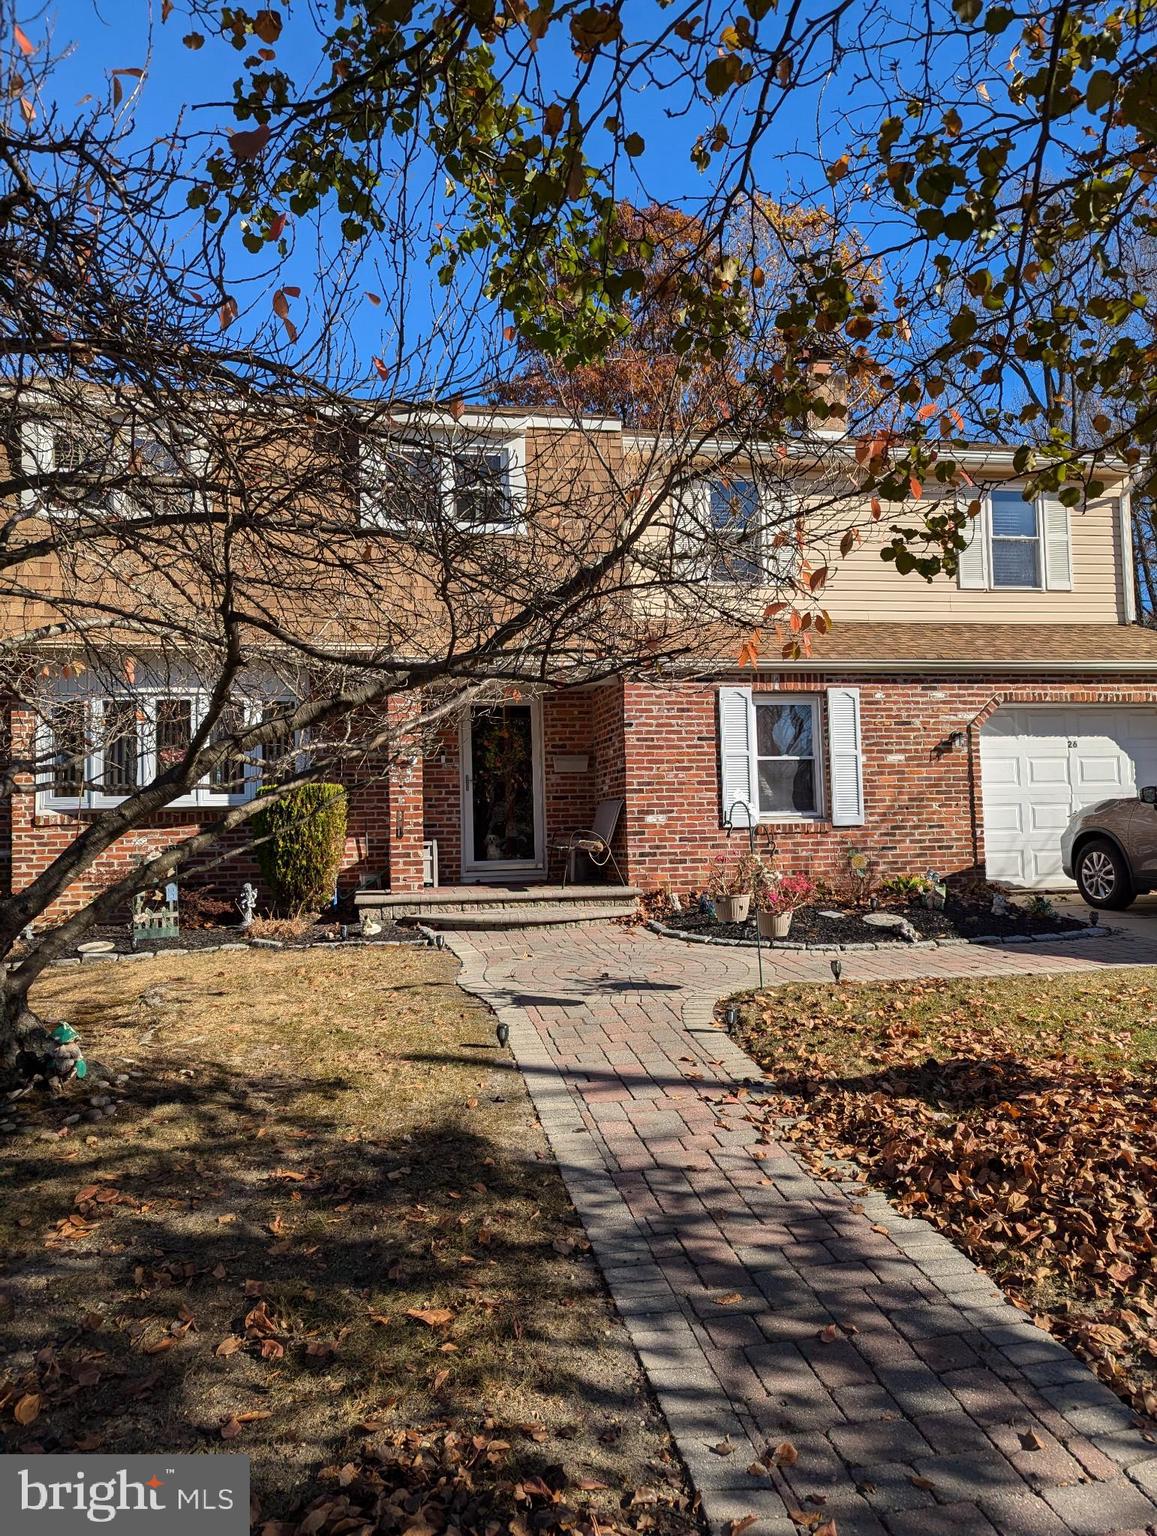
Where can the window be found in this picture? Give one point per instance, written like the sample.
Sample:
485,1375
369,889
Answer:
119,746
1018,545
733,510
160,475
481,494
479,489
786,756
743,531
98,750
1016,553
69,749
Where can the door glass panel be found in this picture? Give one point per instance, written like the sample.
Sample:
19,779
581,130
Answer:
502,784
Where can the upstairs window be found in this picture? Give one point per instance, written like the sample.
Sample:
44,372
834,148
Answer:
1017,545
93,468
734,512
471,487
750,531
1015,540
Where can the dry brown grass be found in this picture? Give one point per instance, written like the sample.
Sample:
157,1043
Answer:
316,1146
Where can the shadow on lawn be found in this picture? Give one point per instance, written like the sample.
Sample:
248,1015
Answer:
241,1261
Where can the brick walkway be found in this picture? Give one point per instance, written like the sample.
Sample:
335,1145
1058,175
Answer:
916,1423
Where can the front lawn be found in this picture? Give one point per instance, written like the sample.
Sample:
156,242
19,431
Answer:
322,1228
1019,1116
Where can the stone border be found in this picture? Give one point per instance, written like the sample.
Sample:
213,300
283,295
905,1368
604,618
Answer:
986,940
216,949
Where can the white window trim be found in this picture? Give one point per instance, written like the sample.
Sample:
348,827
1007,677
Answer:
1041,583
448,450
819,781
94,798
38,456
776,508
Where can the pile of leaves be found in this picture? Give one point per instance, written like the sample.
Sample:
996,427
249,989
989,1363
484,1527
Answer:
1036,1156
410,1483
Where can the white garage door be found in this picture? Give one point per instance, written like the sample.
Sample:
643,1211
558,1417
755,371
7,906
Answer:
1040,765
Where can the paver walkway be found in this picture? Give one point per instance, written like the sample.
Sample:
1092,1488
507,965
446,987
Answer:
937,1407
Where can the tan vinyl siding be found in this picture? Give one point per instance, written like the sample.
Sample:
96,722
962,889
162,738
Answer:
862,587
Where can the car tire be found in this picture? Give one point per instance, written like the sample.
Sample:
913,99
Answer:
1103,877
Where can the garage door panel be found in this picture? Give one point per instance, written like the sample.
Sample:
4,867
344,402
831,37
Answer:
1047,771
1006,866
1039,765
1049,818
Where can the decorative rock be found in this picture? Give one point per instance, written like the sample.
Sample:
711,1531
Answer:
836,917
886,920
71,1119
263,944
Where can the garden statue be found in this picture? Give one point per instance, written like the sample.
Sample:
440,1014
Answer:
370,928
706,906
247,904
65,1054
1000,905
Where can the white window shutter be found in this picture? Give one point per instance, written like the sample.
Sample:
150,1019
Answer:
972,570
847,758
37,457
737,754
1058,563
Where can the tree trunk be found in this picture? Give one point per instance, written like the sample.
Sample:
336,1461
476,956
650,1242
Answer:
26,1046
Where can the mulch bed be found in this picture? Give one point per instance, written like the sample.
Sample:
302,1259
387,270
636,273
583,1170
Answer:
959,920
212,937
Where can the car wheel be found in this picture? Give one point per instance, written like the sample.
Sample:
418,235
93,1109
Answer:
1103,876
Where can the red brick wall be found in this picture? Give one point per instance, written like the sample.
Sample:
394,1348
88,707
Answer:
922,808
38,836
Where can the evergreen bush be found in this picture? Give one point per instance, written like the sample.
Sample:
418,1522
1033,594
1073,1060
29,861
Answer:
301,838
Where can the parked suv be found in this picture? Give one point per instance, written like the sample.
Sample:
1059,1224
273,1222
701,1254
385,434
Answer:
1110,849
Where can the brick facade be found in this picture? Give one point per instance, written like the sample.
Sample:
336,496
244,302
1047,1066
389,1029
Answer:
922,804
656,744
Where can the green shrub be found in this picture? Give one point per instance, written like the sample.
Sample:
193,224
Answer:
302,836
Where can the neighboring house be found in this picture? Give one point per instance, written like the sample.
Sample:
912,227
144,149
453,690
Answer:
950,726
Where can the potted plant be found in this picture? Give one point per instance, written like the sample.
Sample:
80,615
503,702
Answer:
778,900
730,890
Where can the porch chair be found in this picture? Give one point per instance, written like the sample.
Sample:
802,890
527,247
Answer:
594,841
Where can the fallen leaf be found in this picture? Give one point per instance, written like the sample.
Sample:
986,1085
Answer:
433,1317
27,1408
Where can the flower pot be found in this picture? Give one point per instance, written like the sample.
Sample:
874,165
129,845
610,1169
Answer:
773,925
732,909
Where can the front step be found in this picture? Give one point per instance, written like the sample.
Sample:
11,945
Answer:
508,907
526,917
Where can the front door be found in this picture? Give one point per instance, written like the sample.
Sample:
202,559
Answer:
502,832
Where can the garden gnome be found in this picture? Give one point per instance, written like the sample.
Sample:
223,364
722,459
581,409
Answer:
247,904
65,1056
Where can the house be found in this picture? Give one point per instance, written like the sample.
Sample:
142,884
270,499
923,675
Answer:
951,725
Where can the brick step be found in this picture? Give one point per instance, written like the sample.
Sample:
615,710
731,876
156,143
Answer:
493,918
398,905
